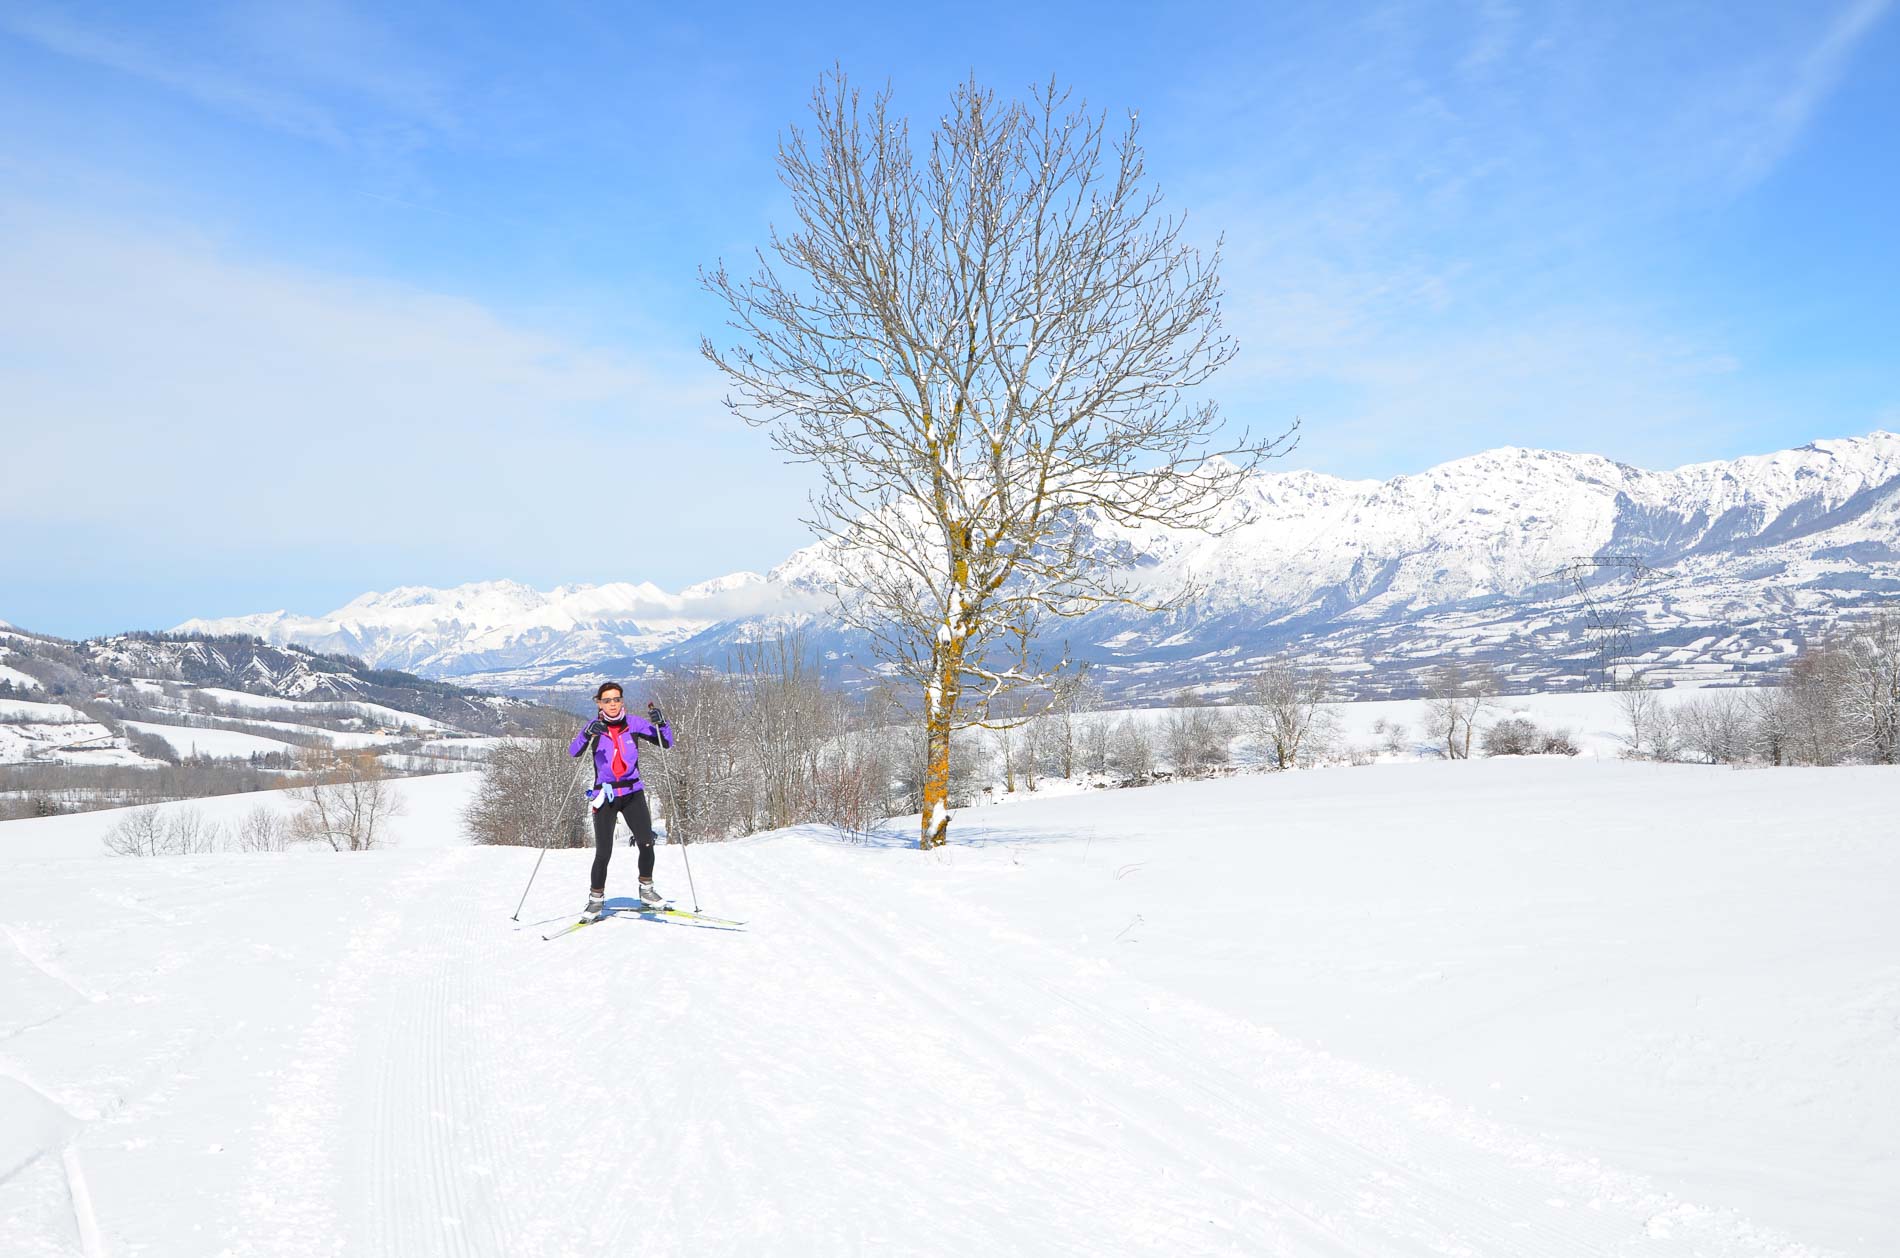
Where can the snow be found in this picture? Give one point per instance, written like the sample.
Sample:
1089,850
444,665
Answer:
23,681
291,707
25,711
1494,1008
218,744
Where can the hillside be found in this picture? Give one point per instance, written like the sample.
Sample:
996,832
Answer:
1742,561
1511,1009
149,700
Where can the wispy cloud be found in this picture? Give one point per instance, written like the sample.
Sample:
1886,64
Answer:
1787,112
1436,241
322,73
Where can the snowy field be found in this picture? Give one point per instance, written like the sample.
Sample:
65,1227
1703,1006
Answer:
214,743
1497,1008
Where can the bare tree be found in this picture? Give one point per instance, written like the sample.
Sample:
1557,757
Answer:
988,352
1642,707
347,801
1868,677
141,832
1812,717
1455,697
1286,716
1076,696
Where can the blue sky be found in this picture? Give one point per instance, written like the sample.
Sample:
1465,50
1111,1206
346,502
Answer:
298,301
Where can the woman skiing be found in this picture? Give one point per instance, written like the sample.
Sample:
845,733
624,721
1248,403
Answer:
617,791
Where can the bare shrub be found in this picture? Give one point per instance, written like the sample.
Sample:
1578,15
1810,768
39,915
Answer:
707,789
854,783
1394,738
1195,737
152,831
1093,736
263,830
530,794
1512,736
1131,749
1521,736
1714,727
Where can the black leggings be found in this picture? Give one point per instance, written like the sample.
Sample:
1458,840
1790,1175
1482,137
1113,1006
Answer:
633,806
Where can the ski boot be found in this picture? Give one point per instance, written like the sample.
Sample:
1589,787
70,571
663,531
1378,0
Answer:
650,895
596,905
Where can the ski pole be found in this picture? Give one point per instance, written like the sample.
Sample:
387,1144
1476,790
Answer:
666,780
587,758
689,874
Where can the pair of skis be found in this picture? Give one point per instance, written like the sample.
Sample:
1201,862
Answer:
652,910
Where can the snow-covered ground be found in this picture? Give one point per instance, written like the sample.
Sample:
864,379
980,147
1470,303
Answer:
19,680
218,744
1510,1008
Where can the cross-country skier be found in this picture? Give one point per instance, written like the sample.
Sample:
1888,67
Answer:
617,787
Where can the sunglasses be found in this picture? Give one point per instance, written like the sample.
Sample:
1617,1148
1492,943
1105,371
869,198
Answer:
609,702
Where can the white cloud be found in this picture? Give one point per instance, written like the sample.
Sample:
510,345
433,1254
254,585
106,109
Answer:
213,399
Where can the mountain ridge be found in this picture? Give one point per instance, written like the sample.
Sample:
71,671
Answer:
1304,561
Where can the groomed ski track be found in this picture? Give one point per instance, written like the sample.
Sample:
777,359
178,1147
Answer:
366,1056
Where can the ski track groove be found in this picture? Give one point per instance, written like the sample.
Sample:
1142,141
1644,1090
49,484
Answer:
1532,1173
1536,1171
1323,1235
302,1143
91,1242
840,971
46,966
1514,1193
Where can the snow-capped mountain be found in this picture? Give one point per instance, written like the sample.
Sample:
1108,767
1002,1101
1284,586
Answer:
1745,559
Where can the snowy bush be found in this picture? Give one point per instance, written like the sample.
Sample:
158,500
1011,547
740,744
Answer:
1131,750
1394,738
1521,736
1195,736
1715,727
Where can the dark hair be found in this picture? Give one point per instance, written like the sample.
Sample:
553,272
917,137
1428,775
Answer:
605,686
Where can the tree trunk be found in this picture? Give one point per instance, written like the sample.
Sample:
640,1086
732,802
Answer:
938,710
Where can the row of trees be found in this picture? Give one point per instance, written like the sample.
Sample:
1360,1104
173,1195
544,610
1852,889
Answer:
767,743
344,801
1838,703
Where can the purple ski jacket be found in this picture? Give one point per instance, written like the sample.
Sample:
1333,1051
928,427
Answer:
626,735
